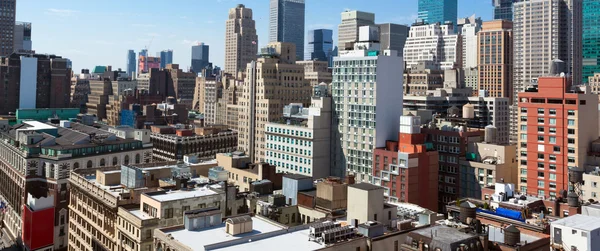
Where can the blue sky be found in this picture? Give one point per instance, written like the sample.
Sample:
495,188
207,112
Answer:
100,32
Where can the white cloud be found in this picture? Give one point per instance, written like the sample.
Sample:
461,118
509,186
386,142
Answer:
61,12
190,42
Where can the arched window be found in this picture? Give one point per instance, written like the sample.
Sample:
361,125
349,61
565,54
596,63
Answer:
115,161
102,162
75,165
89,164
137,158
126,160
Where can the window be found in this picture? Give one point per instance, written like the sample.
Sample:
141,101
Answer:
552,176
540,129
570,122
552,130
571,159
523,128
523,136
566,213
553,121
540,192
556,149
540,156
168,213
541,183
552,112
571,131
552,185
552,166
552,140
540,120
571,113
540,174
571,141
571,150
552,157
540,165
540,110
540,138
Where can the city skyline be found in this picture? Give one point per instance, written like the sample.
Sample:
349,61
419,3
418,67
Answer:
183,28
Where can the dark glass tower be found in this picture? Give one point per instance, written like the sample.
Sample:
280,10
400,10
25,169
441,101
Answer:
199,57
131,63
286,23
320,44
591,38
438,11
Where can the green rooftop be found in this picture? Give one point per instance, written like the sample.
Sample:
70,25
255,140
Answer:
99,69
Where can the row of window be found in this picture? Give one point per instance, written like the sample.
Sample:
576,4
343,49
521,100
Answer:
289,158
289,149
289,167
287,140
289,132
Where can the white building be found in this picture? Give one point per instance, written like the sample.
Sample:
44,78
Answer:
351,21
300,143
469,48
365,84
436,43
578,232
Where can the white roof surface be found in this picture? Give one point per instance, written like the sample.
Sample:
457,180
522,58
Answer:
140,214
203,237
579,221
294,241
181,195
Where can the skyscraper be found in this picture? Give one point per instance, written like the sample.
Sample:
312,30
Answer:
166,57
7,26
591,38
320,45
495,63
393,37
241,41
348,29
286,23
371,116
131,63
22,36
438,11
503,9
199,57
544,30
435,44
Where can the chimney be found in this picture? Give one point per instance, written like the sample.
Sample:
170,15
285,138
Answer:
350,179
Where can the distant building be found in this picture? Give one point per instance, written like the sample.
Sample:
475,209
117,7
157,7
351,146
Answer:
166,57
438,11
393,37
348,29
320,45
146,63
7,27
172,143
420,79
183,84
503,9
241,41
22,37
131,63
495,59
286,23
436,44
200,57
366,203
591,39
316,72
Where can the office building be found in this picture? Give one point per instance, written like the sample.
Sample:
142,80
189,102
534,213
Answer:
166,57
316,72
554,134
299,143
286,23
183,83
200,57
172,143
7,26
495,60
503,9
407,167
393,37
438,11
576,232
263,96
22,37
538,41
131,64
241,41
369,117
320,45
34,81
418,80
435,44
348,29
591,38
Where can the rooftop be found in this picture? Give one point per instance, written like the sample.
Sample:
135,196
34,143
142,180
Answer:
164,196
579,221
137,213
295,176
292,241
365,186
443,234
496,234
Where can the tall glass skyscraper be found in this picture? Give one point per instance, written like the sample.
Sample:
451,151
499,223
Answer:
199,57
433,11
286,23
503,9
131,63
166,57
591,38
320,44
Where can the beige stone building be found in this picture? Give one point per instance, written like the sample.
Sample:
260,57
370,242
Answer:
199,95
241,41
366,203
348,29
594,83
271,83
241,171
316,72
495,58
590,188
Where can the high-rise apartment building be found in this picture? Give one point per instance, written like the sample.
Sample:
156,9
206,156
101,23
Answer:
200,57
393,37
241,41
131,62
591,38
554,134
22,37
503,9
348,29
320,45
8,12
272,82
367,98
166,57
495,58
435,44
286,23
543,31
438,11
34,81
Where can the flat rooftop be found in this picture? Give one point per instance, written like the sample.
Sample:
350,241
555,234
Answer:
444,234
496,234
294,241
579,221
180,194
197,240
365,186
114,190
141,215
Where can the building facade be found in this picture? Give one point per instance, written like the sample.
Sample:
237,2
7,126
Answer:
503,9
286,23
393,37
436,44
367,100
495,59
554,134
22,36
241,41
320,45
438,11
264,96
7,27
166,57
348,29
200,57
169,146
316,72
131,63
591,39
213,91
